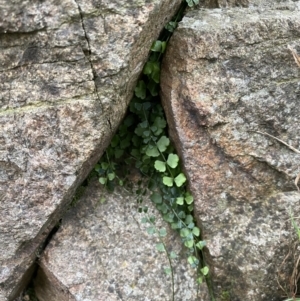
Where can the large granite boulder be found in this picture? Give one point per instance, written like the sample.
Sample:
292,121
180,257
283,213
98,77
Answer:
229,80
104,251
67,73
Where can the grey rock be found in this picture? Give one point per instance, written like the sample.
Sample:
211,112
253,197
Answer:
277,4
228,74
224,3
102,251
67,74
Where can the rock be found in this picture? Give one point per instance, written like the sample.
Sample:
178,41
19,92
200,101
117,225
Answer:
102,251
279,4
68,70
225,3
228,76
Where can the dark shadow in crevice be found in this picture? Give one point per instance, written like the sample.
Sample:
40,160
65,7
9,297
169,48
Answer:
28,293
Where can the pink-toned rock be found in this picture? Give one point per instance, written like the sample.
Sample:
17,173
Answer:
228,74
67,73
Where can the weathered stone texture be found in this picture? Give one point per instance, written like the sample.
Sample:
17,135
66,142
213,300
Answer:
224,3
279,4
227,74
67,73
103,252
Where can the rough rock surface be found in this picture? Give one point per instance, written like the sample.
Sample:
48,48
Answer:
247,3
103,252
224,3
228,74
67,72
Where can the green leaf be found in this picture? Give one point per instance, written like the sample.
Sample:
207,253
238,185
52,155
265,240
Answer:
205,270
115,141
180,225
174,226
136,140
104,165
169,217
153,87
146,105
179,201
144,124
191,208
111,176
180,180
168,271
125,142
152,151
196,231
146,133
189,199
192,3
153,128
155,75
152,219
162,232
123,130
163,143
189,219
160,247
156,198
151,184
146,140
201,244
191,225
173,255
160,166
156,46
151,230
103,180
184,232
140,90
168,181
102,200
137,107
139,131
148,68
189,243
181,214
173,160
119,153
144,220
146,159
135,153
192,260
160,122
163,208
171,26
